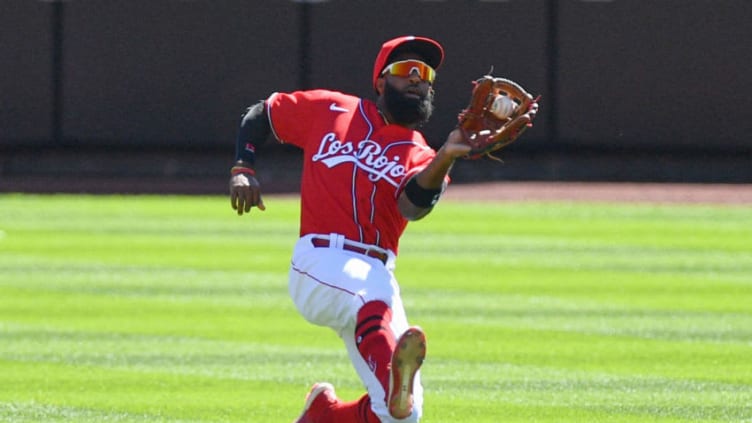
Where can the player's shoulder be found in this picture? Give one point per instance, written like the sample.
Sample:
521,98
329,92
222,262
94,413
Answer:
325,102
314,100
326,95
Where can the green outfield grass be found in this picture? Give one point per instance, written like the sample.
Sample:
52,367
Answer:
167,309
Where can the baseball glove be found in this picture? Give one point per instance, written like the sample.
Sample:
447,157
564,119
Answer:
500,110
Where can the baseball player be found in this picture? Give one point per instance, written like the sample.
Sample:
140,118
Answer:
367,171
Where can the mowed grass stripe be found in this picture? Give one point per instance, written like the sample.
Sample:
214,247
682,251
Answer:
172,309
133,395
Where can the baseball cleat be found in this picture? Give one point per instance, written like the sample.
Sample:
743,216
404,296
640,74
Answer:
407,358
320,398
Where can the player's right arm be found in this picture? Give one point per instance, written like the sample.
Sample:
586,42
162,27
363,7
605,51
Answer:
254,130
423,190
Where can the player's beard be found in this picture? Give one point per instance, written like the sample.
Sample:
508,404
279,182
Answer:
406,110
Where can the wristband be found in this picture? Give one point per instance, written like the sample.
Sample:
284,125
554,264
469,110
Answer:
247,154
236,170
421,197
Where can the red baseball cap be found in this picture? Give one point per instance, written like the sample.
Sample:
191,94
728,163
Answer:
430,50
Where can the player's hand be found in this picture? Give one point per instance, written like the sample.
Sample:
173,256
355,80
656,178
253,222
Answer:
455,145
245,193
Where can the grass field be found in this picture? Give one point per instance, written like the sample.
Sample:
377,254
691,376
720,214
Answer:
167,309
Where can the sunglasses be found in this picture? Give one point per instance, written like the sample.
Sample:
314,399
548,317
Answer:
405,68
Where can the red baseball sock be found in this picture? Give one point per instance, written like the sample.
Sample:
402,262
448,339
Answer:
351,412
375,340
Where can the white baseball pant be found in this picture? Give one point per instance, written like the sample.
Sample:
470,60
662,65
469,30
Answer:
329,286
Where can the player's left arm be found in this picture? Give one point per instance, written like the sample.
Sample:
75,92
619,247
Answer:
424,189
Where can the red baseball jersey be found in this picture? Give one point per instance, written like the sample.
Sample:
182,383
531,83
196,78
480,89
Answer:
355,164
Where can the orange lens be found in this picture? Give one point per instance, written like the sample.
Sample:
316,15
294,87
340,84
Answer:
406,68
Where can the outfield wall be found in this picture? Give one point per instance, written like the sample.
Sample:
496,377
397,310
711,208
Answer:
632,89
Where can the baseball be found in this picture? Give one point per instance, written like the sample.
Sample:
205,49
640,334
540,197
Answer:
503,106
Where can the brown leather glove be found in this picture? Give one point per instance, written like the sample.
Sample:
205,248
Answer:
500,110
